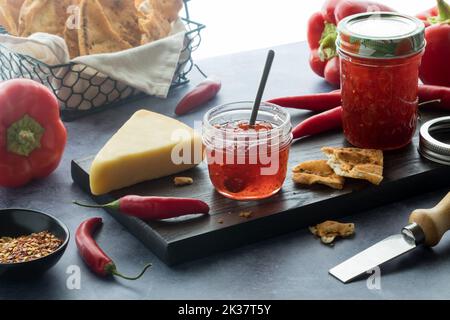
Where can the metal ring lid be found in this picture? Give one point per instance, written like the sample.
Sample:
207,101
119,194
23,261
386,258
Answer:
432,148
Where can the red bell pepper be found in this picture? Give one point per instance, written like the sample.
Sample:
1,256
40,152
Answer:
32,135
435,68
322,34
425,15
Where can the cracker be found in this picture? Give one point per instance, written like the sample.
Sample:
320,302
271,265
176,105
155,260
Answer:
96,34
71,38
169,9
14,7
9,15
6,19
123,17
183,181
43,16
154,27
328,231
317,172
364,164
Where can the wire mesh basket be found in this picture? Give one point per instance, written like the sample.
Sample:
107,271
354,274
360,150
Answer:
82,90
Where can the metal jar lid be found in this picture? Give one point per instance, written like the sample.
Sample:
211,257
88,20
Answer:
381,35
432,148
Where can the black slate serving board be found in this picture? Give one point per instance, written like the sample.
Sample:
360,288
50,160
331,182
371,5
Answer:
182,239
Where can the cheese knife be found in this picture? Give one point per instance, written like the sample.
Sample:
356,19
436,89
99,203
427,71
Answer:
426,227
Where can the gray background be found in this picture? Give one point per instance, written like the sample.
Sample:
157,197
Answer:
293,266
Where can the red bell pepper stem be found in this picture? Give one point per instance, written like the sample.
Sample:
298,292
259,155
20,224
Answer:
312,102
154,208
95,258
322,122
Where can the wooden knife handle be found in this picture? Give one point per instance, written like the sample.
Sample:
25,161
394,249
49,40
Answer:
434,222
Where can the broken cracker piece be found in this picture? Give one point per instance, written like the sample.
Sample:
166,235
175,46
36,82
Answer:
317,171
96,34
364,164
183,181
329,230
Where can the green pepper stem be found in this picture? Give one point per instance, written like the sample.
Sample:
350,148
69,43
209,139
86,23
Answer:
113,205
327,49
24,136
118,274
89,205
444,10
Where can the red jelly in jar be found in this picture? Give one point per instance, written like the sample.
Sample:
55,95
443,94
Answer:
247,162
380,57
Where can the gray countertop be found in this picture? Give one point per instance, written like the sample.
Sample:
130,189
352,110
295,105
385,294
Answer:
293,266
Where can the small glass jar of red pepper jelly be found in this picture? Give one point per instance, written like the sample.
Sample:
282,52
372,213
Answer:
380,57
247,162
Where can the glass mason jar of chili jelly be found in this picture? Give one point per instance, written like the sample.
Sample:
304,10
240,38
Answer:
380,57
247,162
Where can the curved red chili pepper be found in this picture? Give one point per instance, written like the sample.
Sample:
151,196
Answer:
203,93
95,258
312,102
330,100
155,208
322,122
438,96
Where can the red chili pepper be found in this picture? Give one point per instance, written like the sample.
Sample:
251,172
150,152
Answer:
430,93
154,208
435,68
203,93
332,119
322,34
312,102
330,100
322,122
93,255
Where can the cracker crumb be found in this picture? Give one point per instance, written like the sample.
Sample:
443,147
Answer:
183,181
328,231
220,221
245,214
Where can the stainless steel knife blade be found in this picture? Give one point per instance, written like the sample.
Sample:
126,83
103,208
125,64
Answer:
378,254
427,226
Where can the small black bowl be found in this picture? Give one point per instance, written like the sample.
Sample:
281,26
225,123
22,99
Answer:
20,222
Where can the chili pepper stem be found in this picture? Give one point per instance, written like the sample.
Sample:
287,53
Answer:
88,205
113,205
430,102
113,270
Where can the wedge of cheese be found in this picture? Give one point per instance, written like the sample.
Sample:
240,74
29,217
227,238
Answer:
148,146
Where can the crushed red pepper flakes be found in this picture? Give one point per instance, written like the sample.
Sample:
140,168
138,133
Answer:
28,248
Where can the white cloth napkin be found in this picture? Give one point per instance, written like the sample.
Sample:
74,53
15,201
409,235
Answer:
149,68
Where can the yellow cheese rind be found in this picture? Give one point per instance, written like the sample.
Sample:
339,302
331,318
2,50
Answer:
142,150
